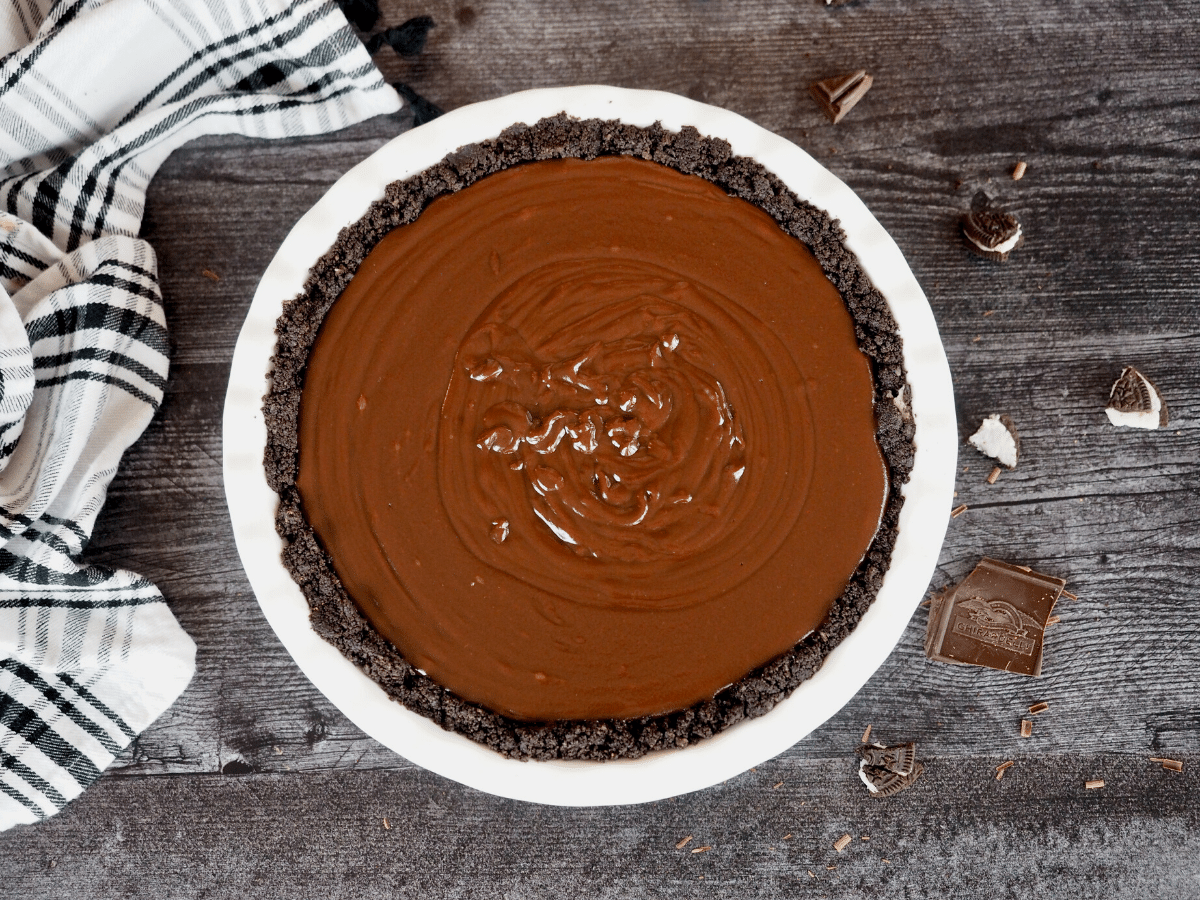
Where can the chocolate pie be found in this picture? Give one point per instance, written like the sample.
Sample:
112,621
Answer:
587,440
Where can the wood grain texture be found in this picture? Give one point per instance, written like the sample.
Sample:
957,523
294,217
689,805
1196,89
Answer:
254,784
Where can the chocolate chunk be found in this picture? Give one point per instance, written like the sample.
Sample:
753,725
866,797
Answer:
888,770
994,618
997,437
837,96
992,234
1135,402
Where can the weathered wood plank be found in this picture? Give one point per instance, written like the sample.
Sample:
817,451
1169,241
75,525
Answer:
957,833
1099,99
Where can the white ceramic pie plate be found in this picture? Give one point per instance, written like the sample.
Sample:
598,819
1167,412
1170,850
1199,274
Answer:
923,520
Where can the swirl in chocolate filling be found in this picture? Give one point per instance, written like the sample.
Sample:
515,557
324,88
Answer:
591,410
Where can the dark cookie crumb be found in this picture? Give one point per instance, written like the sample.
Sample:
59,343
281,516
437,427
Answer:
335,616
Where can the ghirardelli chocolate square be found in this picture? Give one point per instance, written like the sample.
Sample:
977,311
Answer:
994,618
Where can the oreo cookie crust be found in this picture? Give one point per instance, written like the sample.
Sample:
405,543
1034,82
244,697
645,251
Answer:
336,617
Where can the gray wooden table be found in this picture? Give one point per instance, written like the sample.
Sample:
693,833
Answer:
254,785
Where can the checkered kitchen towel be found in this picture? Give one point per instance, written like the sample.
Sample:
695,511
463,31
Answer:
94,94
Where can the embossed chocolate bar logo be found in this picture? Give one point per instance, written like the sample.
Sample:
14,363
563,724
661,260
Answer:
996,623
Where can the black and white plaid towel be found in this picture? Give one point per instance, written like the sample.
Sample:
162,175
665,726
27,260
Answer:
94,94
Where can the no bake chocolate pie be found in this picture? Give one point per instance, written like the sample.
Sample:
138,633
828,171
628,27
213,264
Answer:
586,440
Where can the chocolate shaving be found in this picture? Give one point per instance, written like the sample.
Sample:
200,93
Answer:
958,510
1173,765
1039,708
1026,728
837,96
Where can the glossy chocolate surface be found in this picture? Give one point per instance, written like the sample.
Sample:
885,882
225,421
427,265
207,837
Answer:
590,440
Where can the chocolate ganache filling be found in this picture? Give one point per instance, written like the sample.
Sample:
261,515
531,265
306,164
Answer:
592,439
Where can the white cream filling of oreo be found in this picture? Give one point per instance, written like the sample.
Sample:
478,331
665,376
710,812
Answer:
1003,247
1142,418
994,440
865,780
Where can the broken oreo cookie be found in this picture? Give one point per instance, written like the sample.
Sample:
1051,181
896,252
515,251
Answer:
888,770
992,234
1135,402
997,437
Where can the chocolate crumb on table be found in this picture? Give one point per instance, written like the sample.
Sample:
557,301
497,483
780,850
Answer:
1171,765
837,96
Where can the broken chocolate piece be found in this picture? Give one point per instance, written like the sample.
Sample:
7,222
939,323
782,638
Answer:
888,770
995,618
992,234
997,437
1135,402
837,96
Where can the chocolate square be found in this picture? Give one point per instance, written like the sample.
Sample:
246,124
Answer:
995,618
